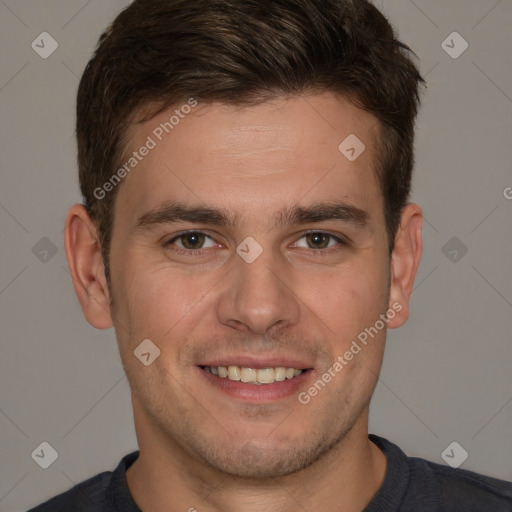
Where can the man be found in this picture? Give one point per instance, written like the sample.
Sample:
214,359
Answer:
245,167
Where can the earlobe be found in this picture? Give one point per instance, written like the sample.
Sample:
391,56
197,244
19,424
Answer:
85,263
405,261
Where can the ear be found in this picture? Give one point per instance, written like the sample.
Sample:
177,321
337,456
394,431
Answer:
86,267
405,261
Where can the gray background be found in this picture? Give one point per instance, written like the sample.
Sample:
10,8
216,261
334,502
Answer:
446,374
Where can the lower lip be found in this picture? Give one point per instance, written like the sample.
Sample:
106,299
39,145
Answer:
257,393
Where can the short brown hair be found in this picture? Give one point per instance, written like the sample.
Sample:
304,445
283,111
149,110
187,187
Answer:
241,52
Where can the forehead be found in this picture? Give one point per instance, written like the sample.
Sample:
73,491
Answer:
266,156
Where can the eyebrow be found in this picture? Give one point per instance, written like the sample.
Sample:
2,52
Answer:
172,212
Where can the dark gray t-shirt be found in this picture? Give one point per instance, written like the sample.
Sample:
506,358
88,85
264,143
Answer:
411,484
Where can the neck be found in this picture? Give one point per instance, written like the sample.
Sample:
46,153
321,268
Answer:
166,478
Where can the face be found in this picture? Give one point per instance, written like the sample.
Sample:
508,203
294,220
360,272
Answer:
246,239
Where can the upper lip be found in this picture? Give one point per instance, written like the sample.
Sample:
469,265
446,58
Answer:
257,362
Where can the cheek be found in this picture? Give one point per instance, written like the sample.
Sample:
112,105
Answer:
149,300
350,297
162,299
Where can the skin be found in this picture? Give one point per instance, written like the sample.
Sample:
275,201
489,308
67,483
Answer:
203,449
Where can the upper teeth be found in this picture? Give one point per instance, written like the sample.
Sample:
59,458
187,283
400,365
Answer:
252,375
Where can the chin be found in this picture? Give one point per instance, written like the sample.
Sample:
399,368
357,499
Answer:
259,461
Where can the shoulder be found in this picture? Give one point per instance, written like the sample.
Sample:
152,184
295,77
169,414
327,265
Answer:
463,490
84,497
413,483
105,492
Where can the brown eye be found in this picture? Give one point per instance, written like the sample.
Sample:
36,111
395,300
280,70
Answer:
320,243
318,240
192,240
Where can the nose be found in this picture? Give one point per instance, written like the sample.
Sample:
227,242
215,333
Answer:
258,296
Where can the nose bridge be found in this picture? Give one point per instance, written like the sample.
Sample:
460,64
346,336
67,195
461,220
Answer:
257,296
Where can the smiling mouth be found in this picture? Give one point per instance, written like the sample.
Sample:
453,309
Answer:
258,376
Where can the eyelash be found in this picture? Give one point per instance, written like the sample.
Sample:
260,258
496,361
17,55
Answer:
199,252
